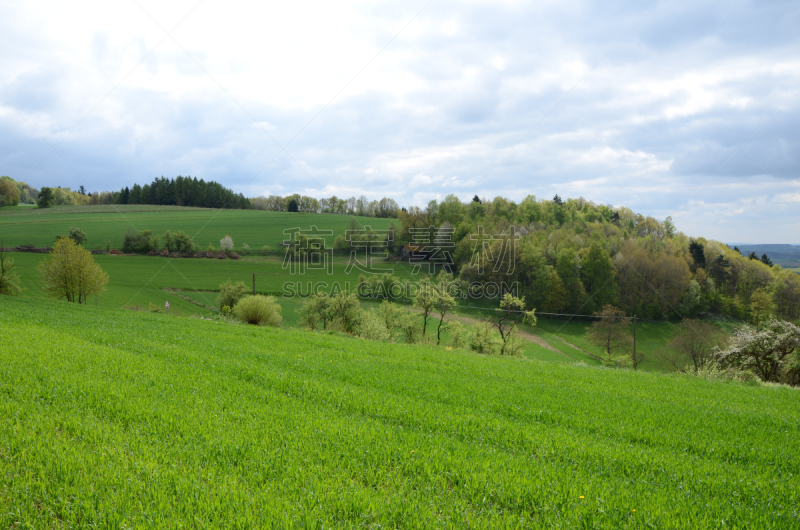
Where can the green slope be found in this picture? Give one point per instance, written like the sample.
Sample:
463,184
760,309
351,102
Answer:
123,419
39,227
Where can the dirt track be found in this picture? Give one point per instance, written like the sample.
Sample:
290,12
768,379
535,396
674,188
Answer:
524,334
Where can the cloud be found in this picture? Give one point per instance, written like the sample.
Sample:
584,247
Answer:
687,109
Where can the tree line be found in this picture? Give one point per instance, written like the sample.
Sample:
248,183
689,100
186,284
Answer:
361,206
182,191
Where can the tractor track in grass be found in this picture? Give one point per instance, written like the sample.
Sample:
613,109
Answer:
525,334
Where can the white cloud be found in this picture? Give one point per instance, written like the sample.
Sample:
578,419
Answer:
680,117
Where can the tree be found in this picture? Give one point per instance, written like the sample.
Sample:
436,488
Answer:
443,302
391,315
77,235
226,243
46,198
771,353
230,293
318,308
346,311
9,193
698,254
611,332
71,272
696,340
511,308
597,271
425,300
292,206
765,260
760,305
477,199
9,280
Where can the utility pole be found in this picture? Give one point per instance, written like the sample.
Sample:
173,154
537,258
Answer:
634,342
254,284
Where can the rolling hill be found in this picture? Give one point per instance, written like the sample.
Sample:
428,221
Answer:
124,419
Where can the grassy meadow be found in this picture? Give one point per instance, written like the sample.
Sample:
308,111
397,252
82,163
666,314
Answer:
138,420
107,224
145,282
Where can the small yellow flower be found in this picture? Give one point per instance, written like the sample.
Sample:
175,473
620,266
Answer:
634,509
581,496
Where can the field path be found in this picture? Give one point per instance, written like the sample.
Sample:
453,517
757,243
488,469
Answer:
525,334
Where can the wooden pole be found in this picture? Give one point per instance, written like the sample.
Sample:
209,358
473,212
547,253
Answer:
634,342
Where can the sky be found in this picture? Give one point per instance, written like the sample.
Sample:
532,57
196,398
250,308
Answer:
687,109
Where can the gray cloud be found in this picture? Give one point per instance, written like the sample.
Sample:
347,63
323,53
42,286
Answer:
494,99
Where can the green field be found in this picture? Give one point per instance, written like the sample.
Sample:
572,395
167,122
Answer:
123,419
107,224
141,281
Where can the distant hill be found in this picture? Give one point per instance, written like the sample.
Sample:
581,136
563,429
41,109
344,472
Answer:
787,256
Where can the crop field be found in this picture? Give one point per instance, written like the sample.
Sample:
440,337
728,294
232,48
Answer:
107,224
139,420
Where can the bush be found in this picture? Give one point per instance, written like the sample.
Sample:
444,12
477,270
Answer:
372,327
226,243
258,310
230,293
483,339
9,281
459,337
178,242
77,235
141,241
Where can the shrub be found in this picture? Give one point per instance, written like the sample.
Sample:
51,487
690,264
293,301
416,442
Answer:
78,235
371,326
258,310
139,241
230,293
181,242
226,243
459,337
346,311
8,280
483,339
245,248
411,326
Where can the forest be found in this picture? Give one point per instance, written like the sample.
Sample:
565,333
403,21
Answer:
575,256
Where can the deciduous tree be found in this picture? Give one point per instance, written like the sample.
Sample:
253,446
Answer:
771,352
611,331
70,272
9,280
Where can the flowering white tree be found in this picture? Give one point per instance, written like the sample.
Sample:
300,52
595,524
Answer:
772,353
226,243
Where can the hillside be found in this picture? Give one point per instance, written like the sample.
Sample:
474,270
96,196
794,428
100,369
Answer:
787,256
143,420
107,224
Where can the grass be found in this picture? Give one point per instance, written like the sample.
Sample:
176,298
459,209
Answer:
107,224
140,282
123,419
